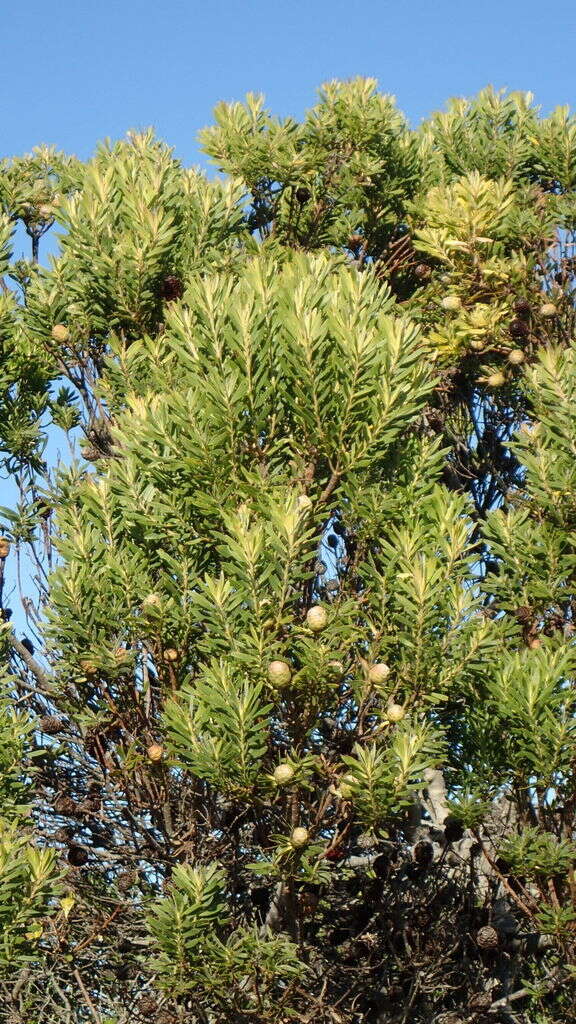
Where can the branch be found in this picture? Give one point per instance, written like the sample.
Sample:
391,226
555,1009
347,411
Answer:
330,487
23,977
89,1002
503,880
436,803
557,978
31,663
273,921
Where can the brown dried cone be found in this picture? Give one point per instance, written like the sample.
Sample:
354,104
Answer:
84,808
522,308
423,854
77,856
45,510
125,881
307,903
518,328
453,829
51,725
95,743
524,613
172,288
422,271
147,1005
63,835
487,937
4,547
91,454
525,617
65,805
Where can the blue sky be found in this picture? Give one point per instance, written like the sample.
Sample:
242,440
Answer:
73,72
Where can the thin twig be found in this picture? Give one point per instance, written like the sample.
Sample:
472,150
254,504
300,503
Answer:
89,1002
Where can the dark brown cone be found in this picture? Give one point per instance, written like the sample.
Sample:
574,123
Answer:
91,454
65,805
487,937
147,1005
518,328
522,308
422,271
44,509
355,242
165,1017
172,288
77,856
453,829
423,854
51,725
524,613
64,835
88,807
125,881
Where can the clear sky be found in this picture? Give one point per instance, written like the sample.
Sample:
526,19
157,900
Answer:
75,71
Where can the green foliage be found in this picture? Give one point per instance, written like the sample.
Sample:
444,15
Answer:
29,879
15,733
351,163
341,377
185,921
494,134
187,925
381,781
222,735
535,853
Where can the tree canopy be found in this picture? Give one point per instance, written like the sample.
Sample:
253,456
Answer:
290,734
